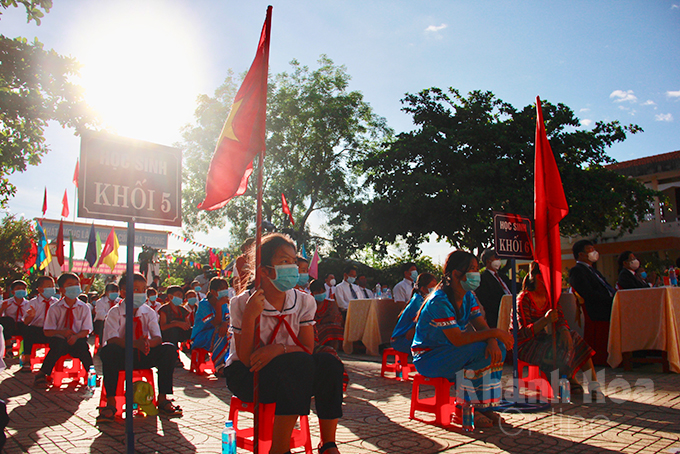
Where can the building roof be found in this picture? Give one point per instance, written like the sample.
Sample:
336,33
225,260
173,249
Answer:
646,166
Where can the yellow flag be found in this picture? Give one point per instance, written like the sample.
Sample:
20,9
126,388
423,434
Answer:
109,254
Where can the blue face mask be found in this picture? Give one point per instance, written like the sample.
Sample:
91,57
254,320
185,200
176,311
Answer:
22,293
320,297
138,299
643,275
304,278
286,277
113,296
153,298
472,281
192,301
49,292
351,279
72,292
222,293
197,288
176,300
414,275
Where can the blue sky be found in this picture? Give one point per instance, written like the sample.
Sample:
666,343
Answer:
145,62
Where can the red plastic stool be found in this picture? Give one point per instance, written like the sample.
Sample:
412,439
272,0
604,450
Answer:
199,365
75,371
137,375
442,405
244,437
37,360
96,344
17,346
534,379
400,366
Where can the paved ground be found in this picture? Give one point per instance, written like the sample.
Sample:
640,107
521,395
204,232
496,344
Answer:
640,415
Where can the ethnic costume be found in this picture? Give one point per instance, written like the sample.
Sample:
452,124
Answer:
405,323
204,334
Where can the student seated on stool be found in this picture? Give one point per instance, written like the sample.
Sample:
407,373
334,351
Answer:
149,351
102,307
34,318
174,318
12,311
67,325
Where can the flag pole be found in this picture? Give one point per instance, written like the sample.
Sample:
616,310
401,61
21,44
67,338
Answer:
258,241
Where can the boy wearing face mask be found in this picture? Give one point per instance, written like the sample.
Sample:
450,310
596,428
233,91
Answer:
492,287
12,311
174,317
347,290
67,324
152,299
628,276
402,291
211,324
149,349
588,282
103,305
34,318
329,285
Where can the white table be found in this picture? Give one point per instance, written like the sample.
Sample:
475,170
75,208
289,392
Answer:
370,321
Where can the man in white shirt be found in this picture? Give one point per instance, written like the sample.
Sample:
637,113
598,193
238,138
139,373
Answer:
402,291
34,318
102,307
67,325
329,283
363,291
347,290
493,285
149,350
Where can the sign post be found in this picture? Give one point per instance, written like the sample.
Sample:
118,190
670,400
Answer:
513,240
134,181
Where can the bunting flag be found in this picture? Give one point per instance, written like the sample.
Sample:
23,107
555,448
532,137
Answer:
44,207
99,244
44,254
109,255
70,251
286,210
76,173
91,253
225,261
59,251
550,207
31,256
243,135
314,265
64,206
303,252
213,260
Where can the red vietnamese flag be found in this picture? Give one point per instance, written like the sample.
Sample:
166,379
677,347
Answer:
243,135
550,207
286,210
76,173
59,254
44,209
64,205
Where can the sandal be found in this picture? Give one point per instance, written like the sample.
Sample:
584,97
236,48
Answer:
40,381
326,446
25,369
576,389
106,414
168,409
482,421
494,417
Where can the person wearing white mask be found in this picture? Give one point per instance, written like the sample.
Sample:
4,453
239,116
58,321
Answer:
102,307
589,283
34,318
492,287
347,290
628,278
402,291
329,284
67,324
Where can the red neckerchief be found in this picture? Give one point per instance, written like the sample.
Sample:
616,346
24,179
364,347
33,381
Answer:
69,319
47,305
20,311
282,320
139,332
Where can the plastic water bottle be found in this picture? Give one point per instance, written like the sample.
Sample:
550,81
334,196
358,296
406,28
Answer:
673,277
378,291
468,416
91,380
228,438
565,390
388,294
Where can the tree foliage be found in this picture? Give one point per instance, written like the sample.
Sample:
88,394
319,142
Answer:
35,88
315,126
470,156
15,242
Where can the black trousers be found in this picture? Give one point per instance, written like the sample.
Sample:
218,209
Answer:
10,327
33,335
98,328
163,357
59,347
176,335
290,381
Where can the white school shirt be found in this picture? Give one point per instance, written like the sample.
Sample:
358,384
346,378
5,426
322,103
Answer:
114,325
402,291
343,294
102,307
330,291
11,310
39,303
56,317
155,305
299,310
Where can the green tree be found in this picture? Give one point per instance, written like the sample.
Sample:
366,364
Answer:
15,242
470,156
35,88
315,125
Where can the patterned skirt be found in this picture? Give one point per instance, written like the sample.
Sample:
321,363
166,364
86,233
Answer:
328,325
539,351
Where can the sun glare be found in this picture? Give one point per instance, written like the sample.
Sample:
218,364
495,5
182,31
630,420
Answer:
141,71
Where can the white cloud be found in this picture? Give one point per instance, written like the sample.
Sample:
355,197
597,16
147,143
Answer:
624,108
649,102
664,117
585,122
675,7
585,109
621,96
673,94
436,28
